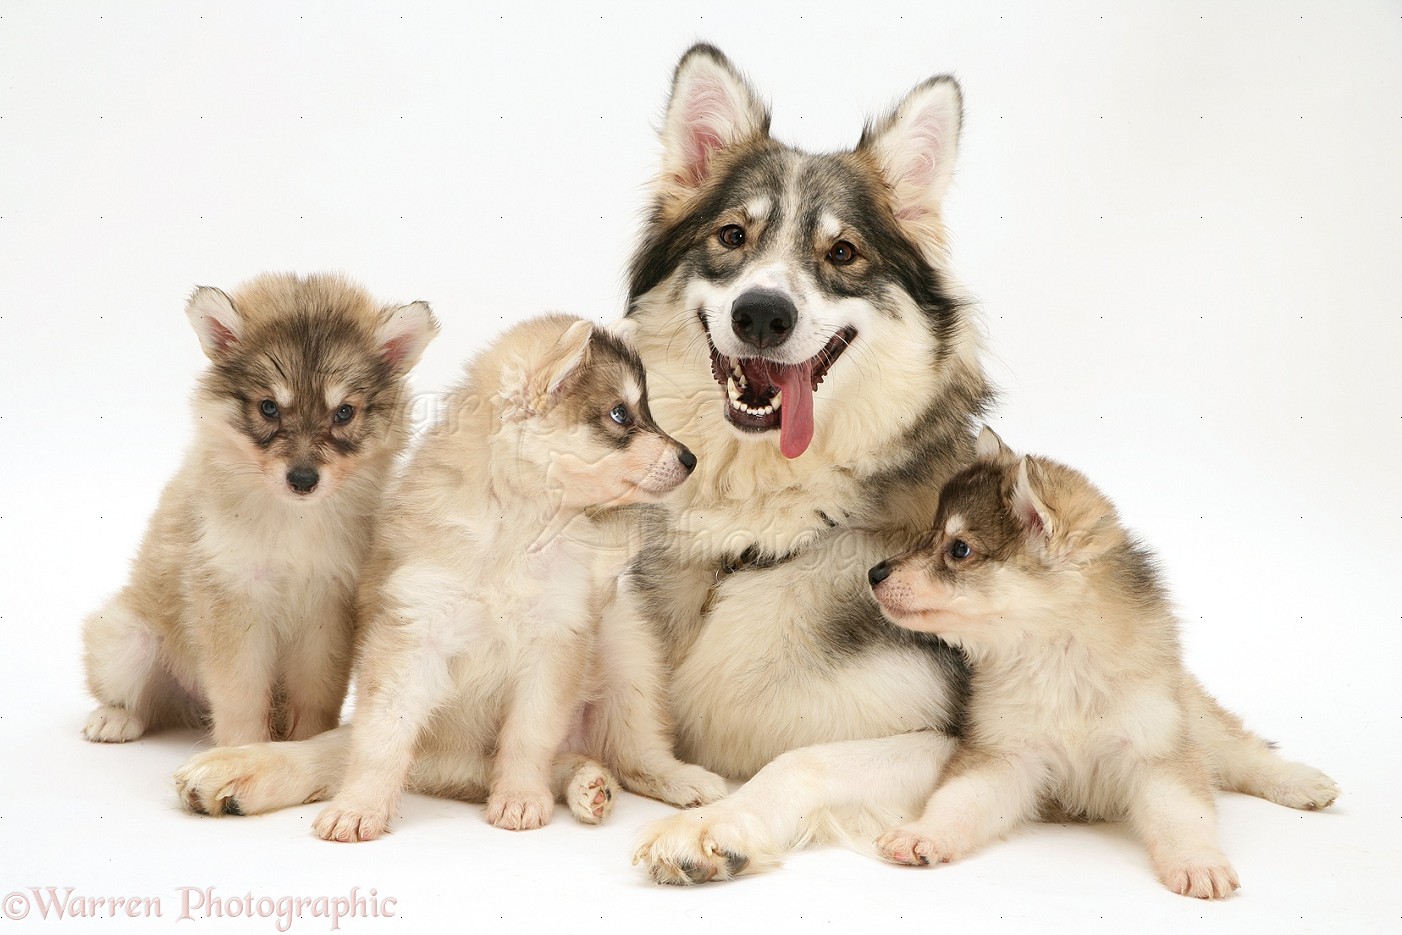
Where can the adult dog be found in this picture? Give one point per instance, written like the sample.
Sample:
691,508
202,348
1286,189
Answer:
801,335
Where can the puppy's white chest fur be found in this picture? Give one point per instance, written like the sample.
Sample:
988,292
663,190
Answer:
276,553
538,593
1081,720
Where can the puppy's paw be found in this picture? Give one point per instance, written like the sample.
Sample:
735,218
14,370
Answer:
590,793
1303,787
914,847
520,811
692,848
682,785
111,724
236,781
348,823
1202,876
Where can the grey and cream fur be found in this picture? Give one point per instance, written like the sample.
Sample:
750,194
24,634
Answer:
1080,703
483,670
803,334
239,609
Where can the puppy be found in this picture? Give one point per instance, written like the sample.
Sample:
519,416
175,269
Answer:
482,647
239,608
1079,699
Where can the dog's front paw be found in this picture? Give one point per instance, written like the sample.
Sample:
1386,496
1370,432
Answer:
348,823
230,781
520,811
682,785
913,847
1303,787
111,724
590,793
1203,876
692,848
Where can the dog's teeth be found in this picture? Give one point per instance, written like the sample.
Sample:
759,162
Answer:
778,400
738,372
732,391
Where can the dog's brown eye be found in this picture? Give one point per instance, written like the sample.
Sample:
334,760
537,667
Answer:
344,414
732,235
841,253
959,550
269,409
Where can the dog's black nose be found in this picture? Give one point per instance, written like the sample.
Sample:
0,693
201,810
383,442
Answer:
303,479
762,318
879,573
688,460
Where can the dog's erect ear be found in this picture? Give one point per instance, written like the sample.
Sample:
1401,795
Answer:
561,363
403,334
215,320
988,447
624,329
711,107
1067,519
914,147
1028,505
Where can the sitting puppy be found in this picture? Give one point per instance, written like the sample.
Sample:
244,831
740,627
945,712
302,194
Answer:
1079,699
239,608
483,649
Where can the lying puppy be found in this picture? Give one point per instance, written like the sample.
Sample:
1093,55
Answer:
482,648
1079,699
239,607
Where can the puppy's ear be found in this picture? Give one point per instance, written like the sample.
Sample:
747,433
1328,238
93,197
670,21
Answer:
403,334
622,328
989,448
1028,506
711,107
914,147
1067,519
216,322
553,371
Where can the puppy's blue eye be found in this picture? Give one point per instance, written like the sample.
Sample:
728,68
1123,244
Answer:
619,414
269,409
959,550
344,414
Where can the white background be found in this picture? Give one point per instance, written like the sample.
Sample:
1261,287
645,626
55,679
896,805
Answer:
1183,223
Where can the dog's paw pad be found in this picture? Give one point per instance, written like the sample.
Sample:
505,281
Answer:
591,793
1207,876
519,811
111,724
914,848
688,850
226,781
1304,788
348,824
691,786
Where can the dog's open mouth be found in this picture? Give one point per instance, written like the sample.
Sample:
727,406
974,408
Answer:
762,394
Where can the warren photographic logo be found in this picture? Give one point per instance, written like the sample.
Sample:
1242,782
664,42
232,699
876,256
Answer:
190,903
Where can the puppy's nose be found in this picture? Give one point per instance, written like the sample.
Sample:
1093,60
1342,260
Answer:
763,318
303,479
879,573
687,459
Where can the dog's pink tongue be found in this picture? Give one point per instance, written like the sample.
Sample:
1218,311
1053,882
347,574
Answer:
796,409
